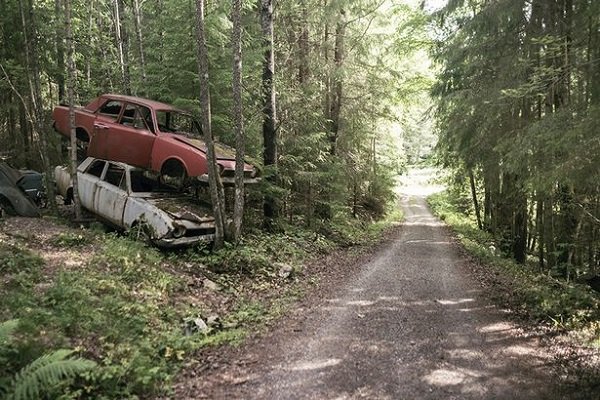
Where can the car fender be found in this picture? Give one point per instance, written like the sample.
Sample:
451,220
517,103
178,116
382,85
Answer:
62,178
193,160
19,201
138,210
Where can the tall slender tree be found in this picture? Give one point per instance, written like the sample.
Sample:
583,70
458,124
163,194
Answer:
238,117
269,109
215,185
71,79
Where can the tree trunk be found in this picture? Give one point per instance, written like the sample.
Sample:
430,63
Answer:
271,211
122,46
303,50
60,54
38,117
71,100
336,104
519,236
475,201
140,39
216,188
539,227
550,244
238,117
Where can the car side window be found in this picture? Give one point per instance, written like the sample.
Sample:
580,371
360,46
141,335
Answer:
137,116
96,168
111,109
140,182
128,117
115,175
143,118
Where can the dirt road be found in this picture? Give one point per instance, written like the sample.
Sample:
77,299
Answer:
411,324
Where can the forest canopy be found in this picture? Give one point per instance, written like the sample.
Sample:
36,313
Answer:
518,113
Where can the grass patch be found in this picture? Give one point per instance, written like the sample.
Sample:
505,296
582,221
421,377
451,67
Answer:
132,310
568,306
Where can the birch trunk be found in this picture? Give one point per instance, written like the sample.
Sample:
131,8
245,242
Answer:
216,188
71,100
140,39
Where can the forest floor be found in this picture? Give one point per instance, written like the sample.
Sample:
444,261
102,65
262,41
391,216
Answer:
413,319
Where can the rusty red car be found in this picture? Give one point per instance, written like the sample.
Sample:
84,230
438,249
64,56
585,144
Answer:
147,134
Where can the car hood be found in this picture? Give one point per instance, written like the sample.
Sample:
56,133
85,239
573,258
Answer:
182,208
222,151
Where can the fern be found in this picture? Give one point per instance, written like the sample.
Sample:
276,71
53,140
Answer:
7,328
47,371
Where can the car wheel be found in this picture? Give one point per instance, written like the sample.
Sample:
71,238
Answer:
68,199
173,174
6,206
83,141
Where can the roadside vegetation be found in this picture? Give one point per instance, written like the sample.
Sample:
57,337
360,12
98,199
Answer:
542,295
103,316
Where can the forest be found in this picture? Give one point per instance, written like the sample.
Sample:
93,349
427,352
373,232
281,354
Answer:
519,91
339,80
332,100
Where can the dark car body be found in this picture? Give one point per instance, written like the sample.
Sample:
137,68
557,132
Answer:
14,199
147,134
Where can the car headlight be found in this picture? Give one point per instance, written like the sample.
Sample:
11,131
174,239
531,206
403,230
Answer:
178,231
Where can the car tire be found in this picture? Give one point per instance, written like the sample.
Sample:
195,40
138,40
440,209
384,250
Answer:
174,174
68,199
7,207
83,141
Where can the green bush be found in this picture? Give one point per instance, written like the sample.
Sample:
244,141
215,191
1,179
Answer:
41,375
567,305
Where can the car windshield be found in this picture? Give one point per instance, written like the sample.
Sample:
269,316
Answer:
174,121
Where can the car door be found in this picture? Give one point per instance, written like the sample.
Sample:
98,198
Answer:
111,195
130,138
87,183
106,117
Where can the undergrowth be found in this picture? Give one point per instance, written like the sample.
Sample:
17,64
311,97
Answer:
569,306
124,307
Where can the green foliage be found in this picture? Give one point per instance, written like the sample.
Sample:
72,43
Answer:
40,376
15,260
45,373
523,123
70,240
541,297
7,328
126,305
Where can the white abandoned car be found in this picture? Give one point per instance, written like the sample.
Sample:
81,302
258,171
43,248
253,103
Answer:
129,198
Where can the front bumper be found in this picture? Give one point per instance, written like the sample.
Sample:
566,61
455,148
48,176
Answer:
169,243
228,181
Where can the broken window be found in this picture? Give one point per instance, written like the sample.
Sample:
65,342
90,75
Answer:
115,175
96,168
137,116
128,117
140,183
174,121
111,109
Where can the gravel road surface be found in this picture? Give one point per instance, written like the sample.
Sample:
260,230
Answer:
411,324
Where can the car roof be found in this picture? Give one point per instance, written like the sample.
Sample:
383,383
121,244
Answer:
157,105
129,167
